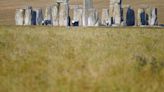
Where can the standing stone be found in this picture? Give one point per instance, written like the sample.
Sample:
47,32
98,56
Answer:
87,4
117,14
128,15
64,19
141,18
19,16
105,20
154,17
37,16
28,16
115,11
55,15
77,15
93,19
48,16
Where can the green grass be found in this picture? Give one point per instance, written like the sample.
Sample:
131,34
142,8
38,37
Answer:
49,59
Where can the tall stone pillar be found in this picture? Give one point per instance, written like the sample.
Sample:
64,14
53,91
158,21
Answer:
105,18
55,14
87,4
28,16
37,16
19,16
78,15
115,11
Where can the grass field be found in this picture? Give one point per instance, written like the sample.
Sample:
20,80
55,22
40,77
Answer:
8,7
49,59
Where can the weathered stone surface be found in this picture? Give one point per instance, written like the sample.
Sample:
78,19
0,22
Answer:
141,18
55,15
64,14
48,15
105,17
153,19
115,1
37,16
93,19
128,15
28,16
19,16
87,4
62,1
117,14
78,15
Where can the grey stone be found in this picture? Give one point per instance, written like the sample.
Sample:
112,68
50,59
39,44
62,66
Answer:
37,16
87,4
141,17
93,19
128,15
64,14
153,19
28,16
48,15
19,16
117,14
55,15
62,1
105,17
78,15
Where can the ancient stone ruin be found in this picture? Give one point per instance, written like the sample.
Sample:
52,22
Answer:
59,14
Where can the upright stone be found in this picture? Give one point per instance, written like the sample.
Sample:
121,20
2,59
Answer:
48,15
117,14
105,18
55,15
87,4
115,11
141,18
77,15
37,16
128,15
93,19
154,20
64,14
28,16
19,16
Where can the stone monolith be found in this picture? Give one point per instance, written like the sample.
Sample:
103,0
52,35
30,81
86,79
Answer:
64,14
78,15
87,4
19,16
37,16
93,19
48,15
105,18
55,15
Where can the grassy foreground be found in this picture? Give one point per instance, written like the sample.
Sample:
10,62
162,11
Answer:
48,59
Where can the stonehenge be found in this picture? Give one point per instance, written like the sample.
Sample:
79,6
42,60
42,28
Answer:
28,16
58,14
147,16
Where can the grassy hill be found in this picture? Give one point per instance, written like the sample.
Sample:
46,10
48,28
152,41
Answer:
7,7
49,59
